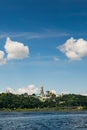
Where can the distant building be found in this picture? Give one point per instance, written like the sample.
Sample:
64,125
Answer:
25,94
42,92
47,93
8,91
50,94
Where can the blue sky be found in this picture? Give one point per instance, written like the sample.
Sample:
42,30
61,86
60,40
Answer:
45,28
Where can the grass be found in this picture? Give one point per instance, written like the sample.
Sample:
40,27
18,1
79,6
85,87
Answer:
66,109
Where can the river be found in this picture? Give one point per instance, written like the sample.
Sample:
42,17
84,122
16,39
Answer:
43,120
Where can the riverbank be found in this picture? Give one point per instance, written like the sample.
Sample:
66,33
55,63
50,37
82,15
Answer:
62,109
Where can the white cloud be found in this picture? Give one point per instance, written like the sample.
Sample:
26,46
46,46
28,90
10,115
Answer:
2,58
53,91
46,33
16,50
10,90
56,58
74,49
65,92
31,89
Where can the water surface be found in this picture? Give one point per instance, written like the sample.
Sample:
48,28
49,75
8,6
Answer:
43,120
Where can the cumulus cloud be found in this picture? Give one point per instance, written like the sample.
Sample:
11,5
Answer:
2,58
31,89
74,49
15,50
10,90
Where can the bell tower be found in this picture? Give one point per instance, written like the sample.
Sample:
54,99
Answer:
42,91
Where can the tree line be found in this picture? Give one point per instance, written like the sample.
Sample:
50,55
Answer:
12,101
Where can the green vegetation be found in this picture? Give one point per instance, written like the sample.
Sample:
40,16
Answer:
9,101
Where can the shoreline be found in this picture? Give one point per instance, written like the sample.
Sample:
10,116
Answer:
65,109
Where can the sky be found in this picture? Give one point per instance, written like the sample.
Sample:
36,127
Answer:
43,43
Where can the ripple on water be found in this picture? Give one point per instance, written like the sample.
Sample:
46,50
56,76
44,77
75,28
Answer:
43,121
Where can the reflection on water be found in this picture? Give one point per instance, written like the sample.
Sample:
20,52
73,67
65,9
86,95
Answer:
43,121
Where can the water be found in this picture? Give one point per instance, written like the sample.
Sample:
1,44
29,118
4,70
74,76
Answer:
43,121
